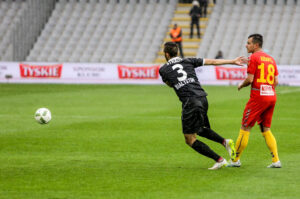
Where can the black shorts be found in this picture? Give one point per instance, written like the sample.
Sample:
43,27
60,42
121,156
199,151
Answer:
194,115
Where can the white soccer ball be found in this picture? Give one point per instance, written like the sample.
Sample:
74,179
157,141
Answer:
42,115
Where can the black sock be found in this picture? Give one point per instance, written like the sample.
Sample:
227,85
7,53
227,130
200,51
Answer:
203,149
211,135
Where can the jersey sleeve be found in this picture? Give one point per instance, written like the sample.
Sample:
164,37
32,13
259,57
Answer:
251,65
196,62
161,73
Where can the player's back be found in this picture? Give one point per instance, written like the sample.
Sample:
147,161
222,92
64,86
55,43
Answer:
264,69
180,74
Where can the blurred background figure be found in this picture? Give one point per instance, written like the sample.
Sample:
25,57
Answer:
203,7
219,55
185,1
176,36
195,14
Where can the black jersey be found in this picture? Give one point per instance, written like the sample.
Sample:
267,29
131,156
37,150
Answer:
180,74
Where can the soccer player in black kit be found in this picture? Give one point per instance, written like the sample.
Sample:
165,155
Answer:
180,74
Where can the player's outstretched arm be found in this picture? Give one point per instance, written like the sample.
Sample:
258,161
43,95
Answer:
240,61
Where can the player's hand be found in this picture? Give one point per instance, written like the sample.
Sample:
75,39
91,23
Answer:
240,61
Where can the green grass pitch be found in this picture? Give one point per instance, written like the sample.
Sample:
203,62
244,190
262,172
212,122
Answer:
122,141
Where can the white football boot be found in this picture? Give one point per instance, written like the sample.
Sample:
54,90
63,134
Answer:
275,165
219,165
234,164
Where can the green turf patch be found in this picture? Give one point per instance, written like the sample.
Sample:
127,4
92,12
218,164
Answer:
116,141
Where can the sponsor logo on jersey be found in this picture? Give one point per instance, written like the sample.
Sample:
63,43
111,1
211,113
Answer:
224,73
266,90
128,72
40,71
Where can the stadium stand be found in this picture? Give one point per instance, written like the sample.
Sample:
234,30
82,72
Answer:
8,18
101,31
182,18
133,31
230,23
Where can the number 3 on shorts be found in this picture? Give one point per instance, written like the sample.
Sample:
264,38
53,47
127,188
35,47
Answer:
180,71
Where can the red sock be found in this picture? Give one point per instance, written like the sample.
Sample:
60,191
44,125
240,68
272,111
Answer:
220,159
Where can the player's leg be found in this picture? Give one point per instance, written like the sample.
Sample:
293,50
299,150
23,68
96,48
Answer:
265,125
241,144
205,9
272,145
192,27
249,118
198,28
205,150
191,122
210,134
204,129
242,141
200,147
180,49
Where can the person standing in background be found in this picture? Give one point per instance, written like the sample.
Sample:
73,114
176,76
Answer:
219,55
195,14
203,7
176,36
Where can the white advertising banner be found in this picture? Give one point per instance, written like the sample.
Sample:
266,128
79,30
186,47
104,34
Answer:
289,75
221,75
79,73
101,73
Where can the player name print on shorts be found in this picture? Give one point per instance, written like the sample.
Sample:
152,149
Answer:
266,90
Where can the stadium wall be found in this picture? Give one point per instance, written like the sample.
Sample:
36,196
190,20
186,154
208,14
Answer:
101,73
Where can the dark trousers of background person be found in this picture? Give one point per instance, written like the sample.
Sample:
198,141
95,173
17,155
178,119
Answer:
185,1
203,8
195,22
180,48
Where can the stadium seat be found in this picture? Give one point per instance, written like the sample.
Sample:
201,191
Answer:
10,13
248,19
84,28
112,25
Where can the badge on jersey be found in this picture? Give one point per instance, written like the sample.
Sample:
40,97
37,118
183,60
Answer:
266,90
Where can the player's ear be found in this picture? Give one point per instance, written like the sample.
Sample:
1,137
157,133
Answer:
257,45
167,55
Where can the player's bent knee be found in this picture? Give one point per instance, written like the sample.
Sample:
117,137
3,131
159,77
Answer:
265,129
248,128
188,142
190,139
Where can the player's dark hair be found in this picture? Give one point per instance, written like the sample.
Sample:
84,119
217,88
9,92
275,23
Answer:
171,48
257,39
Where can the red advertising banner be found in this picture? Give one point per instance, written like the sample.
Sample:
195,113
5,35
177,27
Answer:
40,71
225,73
127,72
